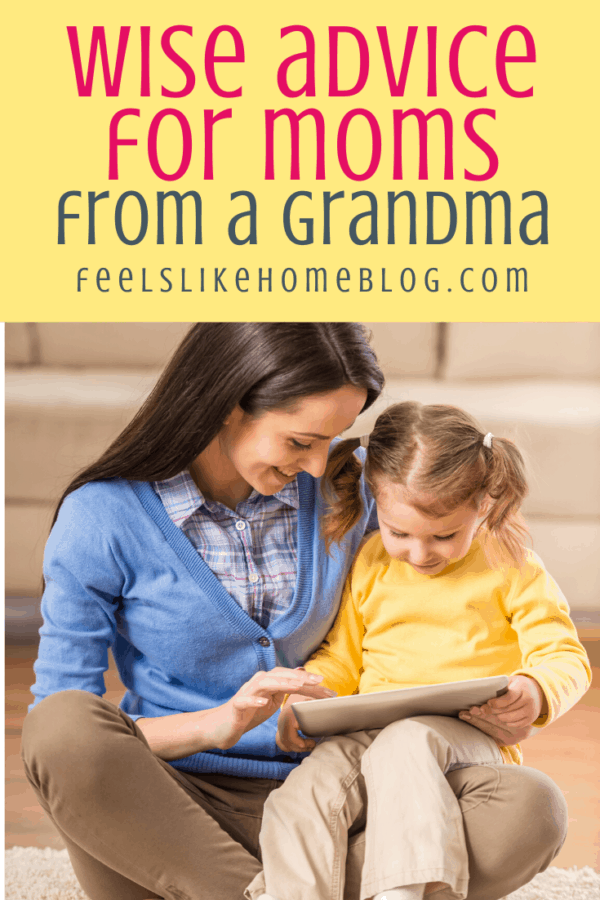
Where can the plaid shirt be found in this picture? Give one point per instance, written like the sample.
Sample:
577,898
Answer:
252,551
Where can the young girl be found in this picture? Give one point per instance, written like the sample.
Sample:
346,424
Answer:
445,592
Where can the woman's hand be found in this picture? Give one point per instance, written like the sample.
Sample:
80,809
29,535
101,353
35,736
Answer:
182,734
257,700
508,718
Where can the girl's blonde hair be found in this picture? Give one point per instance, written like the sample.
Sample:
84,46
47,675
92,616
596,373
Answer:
436,453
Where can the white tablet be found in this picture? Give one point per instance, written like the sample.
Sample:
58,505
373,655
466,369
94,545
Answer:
342,715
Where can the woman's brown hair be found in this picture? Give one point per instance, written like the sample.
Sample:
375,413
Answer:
437,454
259,366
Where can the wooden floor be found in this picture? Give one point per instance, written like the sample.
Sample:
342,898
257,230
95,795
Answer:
568,751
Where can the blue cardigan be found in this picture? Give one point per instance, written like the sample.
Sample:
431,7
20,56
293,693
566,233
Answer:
120,575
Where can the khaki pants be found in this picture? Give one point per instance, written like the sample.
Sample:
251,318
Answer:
136,828
414,831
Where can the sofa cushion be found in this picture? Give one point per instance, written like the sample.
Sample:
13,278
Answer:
406,348
19,338
108,344
27,528
477,350
570,550
58,421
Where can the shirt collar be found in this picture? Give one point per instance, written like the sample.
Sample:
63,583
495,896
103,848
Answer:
181,498
288,494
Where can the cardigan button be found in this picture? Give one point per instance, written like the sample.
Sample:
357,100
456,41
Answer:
264,641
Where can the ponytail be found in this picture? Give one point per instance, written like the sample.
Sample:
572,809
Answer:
341,488
504,533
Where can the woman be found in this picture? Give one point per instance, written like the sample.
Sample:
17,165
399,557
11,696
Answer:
192,549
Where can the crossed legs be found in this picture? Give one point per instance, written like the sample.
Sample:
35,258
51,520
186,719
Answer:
136,828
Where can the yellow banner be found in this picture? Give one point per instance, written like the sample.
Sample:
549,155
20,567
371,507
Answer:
324,161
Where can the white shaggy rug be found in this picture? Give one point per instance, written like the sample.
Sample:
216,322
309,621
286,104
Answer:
34,874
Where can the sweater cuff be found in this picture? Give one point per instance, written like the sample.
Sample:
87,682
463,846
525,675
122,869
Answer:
544,718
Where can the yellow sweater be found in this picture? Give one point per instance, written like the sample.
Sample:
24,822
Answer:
397,628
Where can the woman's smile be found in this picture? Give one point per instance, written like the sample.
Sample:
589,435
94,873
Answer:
286,474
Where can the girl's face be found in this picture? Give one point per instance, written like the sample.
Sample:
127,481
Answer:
268,451
427,544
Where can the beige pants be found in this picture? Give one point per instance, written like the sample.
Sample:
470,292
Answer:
414,829
135,827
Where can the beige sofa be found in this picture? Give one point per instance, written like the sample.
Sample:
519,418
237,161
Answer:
71,387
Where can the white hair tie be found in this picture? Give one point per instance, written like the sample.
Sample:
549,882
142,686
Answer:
487,441
364,440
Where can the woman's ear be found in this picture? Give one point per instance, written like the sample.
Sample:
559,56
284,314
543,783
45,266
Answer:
236,415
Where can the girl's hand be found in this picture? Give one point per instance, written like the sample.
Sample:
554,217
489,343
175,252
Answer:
288,739
256,701
508,718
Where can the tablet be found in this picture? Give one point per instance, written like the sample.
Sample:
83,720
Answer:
342,715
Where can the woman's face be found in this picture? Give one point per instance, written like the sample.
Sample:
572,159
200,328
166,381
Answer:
268,451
